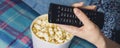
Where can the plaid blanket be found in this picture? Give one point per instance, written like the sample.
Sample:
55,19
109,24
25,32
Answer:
15,19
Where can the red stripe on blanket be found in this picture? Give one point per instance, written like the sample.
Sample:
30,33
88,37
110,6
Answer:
5,6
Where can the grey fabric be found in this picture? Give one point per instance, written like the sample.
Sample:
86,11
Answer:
111,9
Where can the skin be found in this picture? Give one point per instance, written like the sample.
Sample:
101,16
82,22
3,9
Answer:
88,29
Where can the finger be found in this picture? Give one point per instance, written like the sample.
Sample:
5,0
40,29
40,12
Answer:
70,29
92,7
82,17
78,4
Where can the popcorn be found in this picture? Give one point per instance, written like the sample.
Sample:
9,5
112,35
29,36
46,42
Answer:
49,32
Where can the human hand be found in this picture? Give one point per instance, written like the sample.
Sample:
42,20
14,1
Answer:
89,31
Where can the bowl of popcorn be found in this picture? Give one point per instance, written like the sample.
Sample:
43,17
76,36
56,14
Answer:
48,35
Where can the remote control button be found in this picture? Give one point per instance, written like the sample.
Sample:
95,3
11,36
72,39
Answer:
58,16
65,9
62,9
61,19
67,15
80,23
73,16
68,10
67,20
58,7
75,22
64,14
58,20
50,20
61,14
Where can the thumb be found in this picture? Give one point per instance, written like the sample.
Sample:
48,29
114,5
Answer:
70,29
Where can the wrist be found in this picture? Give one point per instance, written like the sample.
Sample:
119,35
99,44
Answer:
111,44
104,42
101,43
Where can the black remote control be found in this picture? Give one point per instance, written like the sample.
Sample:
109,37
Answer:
61,14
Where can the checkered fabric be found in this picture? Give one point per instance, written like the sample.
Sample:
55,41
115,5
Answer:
15,20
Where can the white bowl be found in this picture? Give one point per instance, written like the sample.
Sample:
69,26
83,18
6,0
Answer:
38,43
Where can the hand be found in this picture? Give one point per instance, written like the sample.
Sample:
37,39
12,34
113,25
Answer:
89,31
